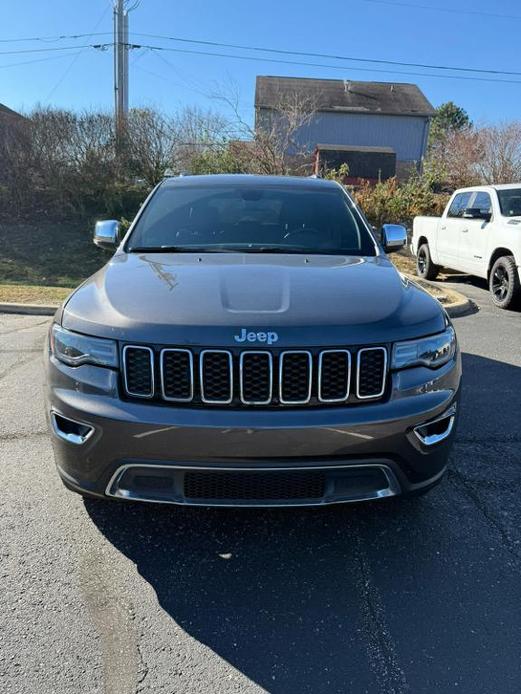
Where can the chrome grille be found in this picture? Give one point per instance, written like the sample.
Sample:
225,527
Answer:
372,364
216,376
138,371
295,373
177,375
255,377
334,375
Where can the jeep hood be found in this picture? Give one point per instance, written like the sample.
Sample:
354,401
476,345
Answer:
181,298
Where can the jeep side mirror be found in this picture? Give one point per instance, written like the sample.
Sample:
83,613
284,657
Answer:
393,236
106,234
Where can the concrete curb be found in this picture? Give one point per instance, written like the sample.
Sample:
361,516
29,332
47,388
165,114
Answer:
460,307
28,309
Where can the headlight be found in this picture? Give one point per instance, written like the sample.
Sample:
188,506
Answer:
429,351
75,349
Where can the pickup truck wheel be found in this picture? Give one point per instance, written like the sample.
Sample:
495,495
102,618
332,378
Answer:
425,268
504,282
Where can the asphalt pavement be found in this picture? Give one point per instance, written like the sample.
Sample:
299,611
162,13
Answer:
400,596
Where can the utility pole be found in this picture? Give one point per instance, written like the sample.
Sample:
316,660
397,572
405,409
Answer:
121,50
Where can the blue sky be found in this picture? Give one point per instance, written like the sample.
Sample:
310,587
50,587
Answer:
402,30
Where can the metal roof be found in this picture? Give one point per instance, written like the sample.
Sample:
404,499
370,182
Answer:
8,112
348,96
353,148
244,180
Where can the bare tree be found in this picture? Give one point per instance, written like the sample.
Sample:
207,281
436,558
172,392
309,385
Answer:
274,144
500,153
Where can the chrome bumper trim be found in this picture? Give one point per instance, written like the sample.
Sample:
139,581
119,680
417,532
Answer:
113,490
76,439
433,439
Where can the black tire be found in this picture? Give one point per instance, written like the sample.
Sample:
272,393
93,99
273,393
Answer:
503,282
425,268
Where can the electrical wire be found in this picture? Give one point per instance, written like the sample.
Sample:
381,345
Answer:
279,51
328,56
76,56
265,49
59,37
37,60
99,46
451,10
321,65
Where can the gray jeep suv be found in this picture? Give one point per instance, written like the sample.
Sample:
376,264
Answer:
249,343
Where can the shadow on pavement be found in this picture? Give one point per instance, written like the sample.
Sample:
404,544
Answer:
359,598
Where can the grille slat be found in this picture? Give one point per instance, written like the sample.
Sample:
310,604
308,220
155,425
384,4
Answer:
216,376
177,375
334,375
371,372
256,369
295,374
139,371
255,377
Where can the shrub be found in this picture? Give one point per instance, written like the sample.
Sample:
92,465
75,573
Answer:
398,203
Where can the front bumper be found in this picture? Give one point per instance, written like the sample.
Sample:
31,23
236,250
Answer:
347,453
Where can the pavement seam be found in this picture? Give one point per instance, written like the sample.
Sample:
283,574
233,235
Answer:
382,656
25,327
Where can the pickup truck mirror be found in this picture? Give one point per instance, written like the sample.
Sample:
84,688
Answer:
106,234
476,213
394,237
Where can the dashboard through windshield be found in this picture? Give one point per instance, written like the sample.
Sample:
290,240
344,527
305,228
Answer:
273,219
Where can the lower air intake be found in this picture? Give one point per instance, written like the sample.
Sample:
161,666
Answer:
261,486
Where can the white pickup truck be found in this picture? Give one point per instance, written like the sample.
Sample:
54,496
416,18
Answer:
480,234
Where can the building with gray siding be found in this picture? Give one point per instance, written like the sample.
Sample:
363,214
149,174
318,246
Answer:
360,114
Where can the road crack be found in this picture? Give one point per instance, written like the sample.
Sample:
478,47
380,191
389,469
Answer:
382,656
457,479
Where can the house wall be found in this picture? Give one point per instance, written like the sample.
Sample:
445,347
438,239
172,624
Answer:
407,135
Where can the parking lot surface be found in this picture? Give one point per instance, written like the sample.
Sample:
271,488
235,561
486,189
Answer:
400,596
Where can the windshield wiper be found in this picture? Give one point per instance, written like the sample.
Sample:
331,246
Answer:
181,249
276,249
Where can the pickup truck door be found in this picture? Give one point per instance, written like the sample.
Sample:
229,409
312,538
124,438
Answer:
474,236
449,231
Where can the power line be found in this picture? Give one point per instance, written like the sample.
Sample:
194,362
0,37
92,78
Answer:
264,49
321,65
451,10
99,46
76,56
330,56
37,60
58,37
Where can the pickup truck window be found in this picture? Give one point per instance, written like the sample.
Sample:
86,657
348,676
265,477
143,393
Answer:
459,205
253,219
482,202
510,202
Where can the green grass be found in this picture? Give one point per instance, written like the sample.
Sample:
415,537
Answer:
50,254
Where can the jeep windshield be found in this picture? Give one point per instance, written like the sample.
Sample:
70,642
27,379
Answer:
251,219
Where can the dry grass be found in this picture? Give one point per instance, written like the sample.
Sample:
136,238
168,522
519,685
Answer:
404,262
33,294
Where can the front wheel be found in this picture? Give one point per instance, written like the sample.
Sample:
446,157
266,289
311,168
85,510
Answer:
504,282
425,268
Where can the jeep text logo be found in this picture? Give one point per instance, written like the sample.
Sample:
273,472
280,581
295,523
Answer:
249,336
